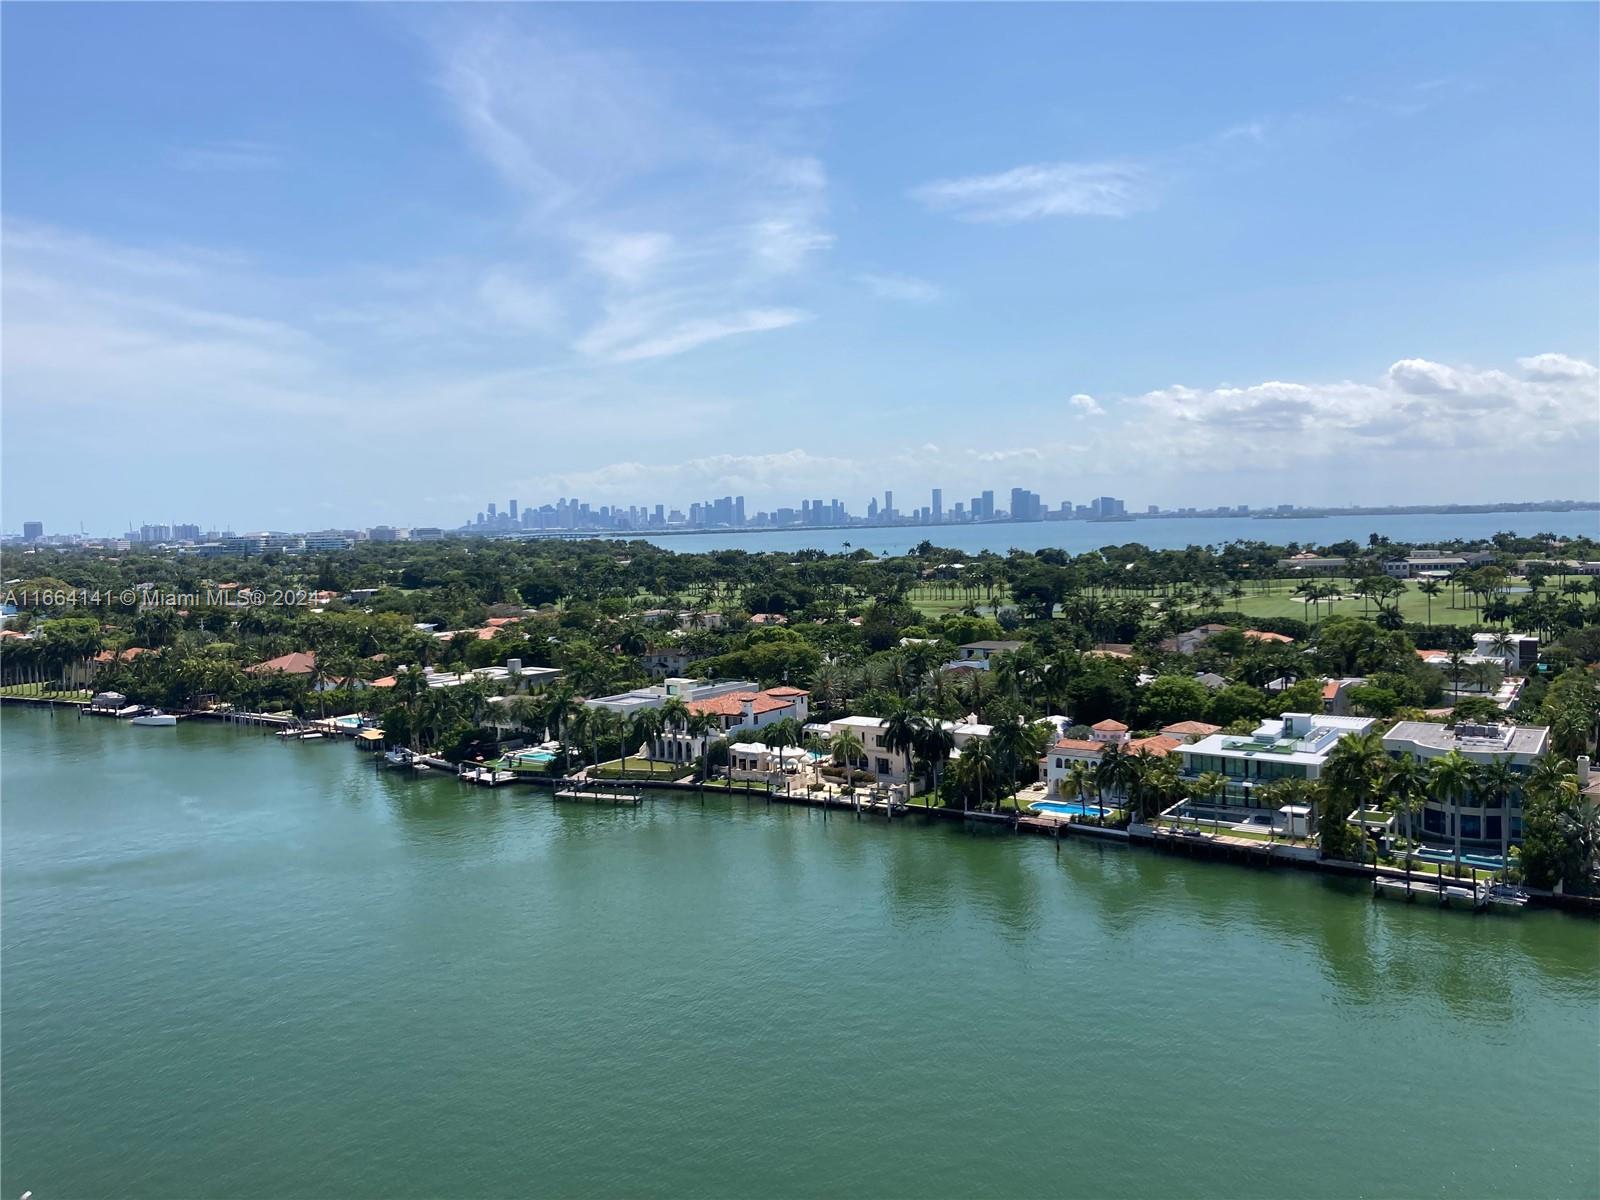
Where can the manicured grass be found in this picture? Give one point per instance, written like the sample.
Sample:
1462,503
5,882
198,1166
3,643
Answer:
640,768
71,696
1281,601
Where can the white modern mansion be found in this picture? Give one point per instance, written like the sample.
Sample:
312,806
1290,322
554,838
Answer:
1294,746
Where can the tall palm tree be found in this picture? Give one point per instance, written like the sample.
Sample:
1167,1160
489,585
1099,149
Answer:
1450,779
1429,588
901,734
975,769
847,750
1405,781
647,725
1210,786
934,748
1495,783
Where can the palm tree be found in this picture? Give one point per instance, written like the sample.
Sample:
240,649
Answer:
974,769
934,747
1429,588
1495,782
701,727
1450,778
1013,741
1406,782
1211,786
647,725
902,733
847,749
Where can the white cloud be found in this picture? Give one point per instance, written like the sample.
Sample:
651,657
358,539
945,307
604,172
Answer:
227,156
1554,368
626,258
1418,407
630,337
1087,405
899,287
680,229
1108,189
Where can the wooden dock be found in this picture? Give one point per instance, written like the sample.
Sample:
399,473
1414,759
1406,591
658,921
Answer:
575,789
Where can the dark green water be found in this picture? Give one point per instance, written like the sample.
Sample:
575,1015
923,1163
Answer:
234,967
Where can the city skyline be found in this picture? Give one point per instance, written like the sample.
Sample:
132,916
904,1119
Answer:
787,251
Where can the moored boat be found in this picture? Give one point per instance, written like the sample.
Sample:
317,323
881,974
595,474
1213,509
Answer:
155,717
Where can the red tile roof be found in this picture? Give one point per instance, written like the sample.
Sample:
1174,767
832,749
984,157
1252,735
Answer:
386,681
1187,727
1083,744
732,704
787,691
1330,689
1158,746
1261,635
128,655
301,662
1109,726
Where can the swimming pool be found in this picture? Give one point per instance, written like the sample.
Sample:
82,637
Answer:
532,757
1484,862
1070,808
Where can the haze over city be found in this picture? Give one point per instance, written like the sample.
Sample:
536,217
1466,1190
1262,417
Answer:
1329,255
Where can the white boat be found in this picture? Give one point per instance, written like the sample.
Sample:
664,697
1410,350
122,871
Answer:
312,736
292,731
155,717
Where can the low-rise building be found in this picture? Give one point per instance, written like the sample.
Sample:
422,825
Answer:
1059,761
890,765
1294,746
1482,819
742,707
980,654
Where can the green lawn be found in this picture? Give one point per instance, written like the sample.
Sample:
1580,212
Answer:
1280,601
640,768
74,696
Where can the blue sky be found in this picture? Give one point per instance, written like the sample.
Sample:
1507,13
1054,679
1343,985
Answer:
293,266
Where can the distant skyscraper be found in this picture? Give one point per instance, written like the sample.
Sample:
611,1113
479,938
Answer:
938,504
32,531
888,503
511,510
988,505
490,511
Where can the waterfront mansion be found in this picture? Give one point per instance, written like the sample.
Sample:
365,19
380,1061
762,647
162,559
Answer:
1294,746
1482,818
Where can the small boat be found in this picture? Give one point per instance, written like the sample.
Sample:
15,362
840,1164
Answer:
309,736
292,731
155,717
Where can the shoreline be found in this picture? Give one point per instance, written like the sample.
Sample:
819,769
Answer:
1213,849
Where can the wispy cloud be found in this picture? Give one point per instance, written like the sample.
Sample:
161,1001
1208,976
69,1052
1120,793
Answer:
680,229
899,287
1027,193
227,156
632,336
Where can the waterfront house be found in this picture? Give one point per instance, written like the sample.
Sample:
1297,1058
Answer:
299,662
1482,819
739,707
890,765
1294,746
1059,761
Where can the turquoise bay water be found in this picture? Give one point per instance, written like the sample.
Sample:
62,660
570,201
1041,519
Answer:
1159,533
236,966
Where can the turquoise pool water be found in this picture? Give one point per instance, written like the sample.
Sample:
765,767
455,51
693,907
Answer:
1069,808
1486,862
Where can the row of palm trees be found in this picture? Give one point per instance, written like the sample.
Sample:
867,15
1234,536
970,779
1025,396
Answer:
1361,774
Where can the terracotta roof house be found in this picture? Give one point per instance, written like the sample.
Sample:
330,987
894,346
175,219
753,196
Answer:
300,662
1190,730
128,655
735,710
1069,751
1262,635
1109,725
